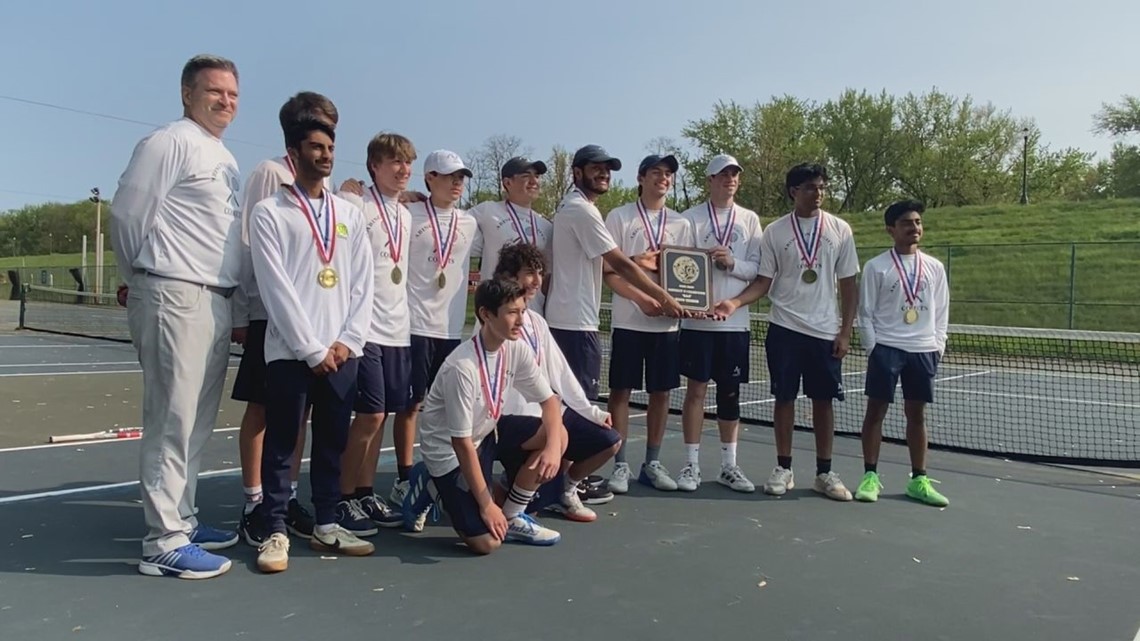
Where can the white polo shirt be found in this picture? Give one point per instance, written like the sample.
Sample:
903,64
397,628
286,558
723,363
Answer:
632,235
176,212
580,240
883,302
436,312
498,228
741,230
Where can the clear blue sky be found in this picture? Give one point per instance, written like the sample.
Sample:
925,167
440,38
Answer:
450,73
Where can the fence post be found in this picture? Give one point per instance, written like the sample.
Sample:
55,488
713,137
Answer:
1072,282
949,253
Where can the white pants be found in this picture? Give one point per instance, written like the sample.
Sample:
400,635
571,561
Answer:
182,334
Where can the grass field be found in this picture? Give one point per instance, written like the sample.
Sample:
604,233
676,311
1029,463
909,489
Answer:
1009,265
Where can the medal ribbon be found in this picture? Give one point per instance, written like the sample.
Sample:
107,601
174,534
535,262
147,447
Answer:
803,243
395,231
290,165
493,388
722,237
517,223
653,238
910,282
531,336
326,241
442,250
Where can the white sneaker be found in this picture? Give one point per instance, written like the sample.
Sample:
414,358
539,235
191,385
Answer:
340,541
780,482
396,497
656,476
619,480
525,529
734,479
273,555
570,506
830,486
690,478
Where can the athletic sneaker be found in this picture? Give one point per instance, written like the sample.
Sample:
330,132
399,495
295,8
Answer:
570,506
780,481
253,527
298,520
690,478
733,478
380,512
351,517
920,489
209,538
619,480
594,493
273,554
830,486
525,529
186,562
868,490
418,497
340,541
656,476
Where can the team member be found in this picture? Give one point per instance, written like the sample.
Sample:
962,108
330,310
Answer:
513,220
384,374
438,254
718,350
464,430
249,331
645,344
590,440
581,243
803,255
903,315
319,301
176,233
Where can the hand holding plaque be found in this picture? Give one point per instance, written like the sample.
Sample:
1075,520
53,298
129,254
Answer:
685,273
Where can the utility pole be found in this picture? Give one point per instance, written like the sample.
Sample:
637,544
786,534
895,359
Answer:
98,239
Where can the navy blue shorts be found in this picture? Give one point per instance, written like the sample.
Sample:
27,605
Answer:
792,356
249,384
657,354
886,365
717,356
428,355
583,354
384,379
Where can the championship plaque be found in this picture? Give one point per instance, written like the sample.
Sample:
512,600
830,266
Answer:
686,273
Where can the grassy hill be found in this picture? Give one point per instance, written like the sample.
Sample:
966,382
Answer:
1009,265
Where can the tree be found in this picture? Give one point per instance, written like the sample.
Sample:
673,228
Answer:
1122,173
487,161
863,146
1120,119
556,182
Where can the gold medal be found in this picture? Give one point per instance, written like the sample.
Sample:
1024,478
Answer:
809,276
397,275
910,316
441,281
327,278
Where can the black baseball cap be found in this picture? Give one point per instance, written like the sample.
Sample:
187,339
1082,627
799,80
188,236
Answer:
520,165
595,153
652,160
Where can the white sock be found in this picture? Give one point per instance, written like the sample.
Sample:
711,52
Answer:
569,484
253,498
727,455
325,528
692,453
292,490
517,500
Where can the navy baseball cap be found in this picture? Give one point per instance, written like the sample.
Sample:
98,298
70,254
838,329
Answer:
521,165
652,160
595,153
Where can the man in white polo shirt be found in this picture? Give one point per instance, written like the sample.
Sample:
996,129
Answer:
513,220
718,350
904,313
176,233
581,243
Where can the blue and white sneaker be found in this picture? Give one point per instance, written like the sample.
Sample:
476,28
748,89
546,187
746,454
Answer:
419,499
186,562
209,538
524,529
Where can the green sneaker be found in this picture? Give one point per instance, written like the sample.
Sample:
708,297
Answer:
920,489
869,488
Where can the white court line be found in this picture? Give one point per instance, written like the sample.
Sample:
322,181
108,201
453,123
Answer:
90,364
68,346
94,371
1031,397
109,441
1137,637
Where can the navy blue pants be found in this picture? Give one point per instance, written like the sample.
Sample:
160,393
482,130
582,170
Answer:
292,386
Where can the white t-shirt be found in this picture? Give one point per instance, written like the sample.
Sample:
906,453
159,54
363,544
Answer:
264,181
435,312
391,325
807,308
627,228
497,229
541,346
580,240
176,212
305,318
457,407
743,239
883,301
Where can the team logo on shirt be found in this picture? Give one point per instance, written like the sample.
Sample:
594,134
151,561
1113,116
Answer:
342,230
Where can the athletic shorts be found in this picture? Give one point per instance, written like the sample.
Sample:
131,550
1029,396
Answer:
384,379
249,384
715,356
428,355
583,353
792,356
886,365
656,354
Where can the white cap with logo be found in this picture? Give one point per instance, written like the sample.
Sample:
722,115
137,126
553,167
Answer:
442,161
721,162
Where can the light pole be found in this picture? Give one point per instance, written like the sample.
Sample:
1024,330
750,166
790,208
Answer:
51,243
1025,166
98,239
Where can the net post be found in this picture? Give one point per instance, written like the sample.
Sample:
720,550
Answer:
23,305
1072,283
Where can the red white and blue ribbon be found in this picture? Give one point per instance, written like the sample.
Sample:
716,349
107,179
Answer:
808,246
516,222
442,249
910,282
655,237
325,239
722,236
531,336
391,225
493,386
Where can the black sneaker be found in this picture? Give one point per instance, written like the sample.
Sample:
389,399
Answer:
594,494
252,527
351,517
380,512
298,520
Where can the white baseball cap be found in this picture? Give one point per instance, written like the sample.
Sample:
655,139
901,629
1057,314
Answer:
445,162
720,162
